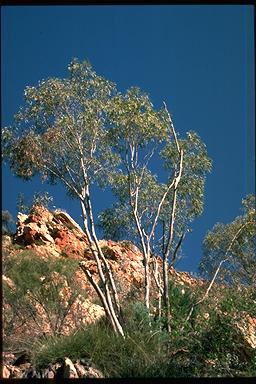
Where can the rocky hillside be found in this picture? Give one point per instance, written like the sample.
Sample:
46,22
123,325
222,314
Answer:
55,235
46,236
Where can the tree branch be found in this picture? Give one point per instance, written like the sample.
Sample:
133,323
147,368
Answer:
226,258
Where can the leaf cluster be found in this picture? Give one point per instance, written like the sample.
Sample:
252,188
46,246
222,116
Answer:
241,264
63,123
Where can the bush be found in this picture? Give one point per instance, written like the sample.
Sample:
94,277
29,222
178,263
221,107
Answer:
133,357
206,348
36,293
145,352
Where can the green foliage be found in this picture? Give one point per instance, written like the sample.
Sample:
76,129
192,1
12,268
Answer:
63,122
139,135
181,299
240,233
77,130
115,223
39,199
203,349
21,204
7,221
42,199
134,120
115,357
206,346
220,343
38,283
239,299
139,176
196,164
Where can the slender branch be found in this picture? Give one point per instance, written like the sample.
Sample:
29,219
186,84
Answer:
176,249
156,275
147,157
91,244
172,219
142,234
136,154
70,170
166,249
160,207
68,142
84,171
163,236
108,271
62,178
172,127
226,258
135,212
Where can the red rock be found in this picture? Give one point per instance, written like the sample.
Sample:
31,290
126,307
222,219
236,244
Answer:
6,372
51,228
29,235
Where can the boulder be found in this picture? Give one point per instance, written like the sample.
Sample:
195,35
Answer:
57,230
69,370
65,369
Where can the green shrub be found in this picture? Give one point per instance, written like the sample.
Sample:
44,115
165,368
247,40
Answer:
239,299
37,282
149,351
145,352
205,346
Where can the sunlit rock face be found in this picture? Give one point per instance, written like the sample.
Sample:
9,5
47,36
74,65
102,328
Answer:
55,230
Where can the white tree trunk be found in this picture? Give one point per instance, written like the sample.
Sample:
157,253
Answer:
106,277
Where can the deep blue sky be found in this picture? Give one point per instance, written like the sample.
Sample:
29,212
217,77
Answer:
199,59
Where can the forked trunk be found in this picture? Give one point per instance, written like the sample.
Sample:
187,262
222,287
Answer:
106,282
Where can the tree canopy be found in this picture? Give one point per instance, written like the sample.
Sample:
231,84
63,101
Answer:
235,241
62,124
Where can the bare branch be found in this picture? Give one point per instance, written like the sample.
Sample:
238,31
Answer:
176,249
57,174
172,219
172,127
159,208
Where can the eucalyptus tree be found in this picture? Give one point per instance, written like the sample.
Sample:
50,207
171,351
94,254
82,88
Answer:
185,200
76,130
229,252
159,211
61,133
229,249
137,132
